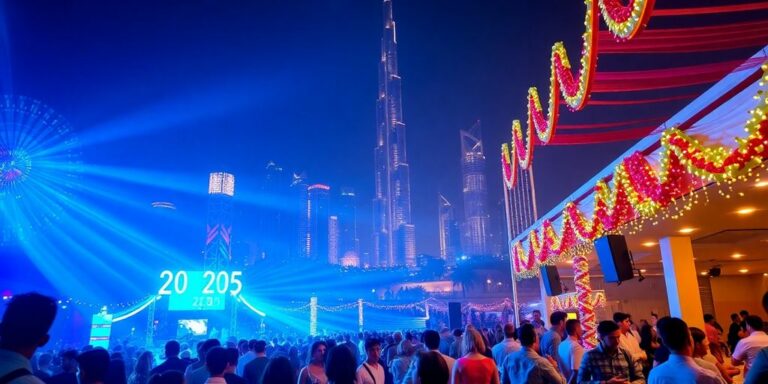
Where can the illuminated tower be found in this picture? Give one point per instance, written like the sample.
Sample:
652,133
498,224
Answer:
333,240
393,231
476,218
300,220
318,199
349,244
449,231
218,243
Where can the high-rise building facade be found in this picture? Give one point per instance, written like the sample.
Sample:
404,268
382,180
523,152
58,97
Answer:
318,205
274,232
450,234
333,239
300,221
394,234
347,215
476,218
218,244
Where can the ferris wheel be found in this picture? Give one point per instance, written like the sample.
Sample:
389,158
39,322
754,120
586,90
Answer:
39,165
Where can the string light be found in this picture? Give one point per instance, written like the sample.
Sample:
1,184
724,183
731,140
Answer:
638,194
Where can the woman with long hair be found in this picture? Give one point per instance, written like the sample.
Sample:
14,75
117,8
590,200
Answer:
140,373
278,371
314,371
474,367
341,366
399,366
649,343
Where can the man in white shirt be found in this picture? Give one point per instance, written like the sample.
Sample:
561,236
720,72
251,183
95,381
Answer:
570,351
371,371
24,328
527,366
680,367
501,350
626,339
431,340
749,347
216,364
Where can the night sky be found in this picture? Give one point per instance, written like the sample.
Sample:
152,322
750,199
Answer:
187,87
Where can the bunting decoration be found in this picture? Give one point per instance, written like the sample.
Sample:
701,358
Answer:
638,191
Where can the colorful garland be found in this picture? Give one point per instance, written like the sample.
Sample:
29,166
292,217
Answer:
570,301
623,22
640,192
586,303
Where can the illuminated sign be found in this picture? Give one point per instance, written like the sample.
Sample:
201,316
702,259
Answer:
101,328
199,290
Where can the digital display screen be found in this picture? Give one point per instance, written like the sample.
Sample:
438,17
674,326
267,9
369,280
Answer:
194,297
101,328
193,327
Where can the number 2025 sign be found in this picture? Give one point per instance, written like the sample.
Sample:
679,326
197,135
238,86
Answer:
199,290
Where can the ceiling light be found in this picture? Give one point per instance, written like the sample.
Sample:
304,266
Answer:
643,270
686,230
746,211
737,255
765,274
743,270
649,243
761,184
703,273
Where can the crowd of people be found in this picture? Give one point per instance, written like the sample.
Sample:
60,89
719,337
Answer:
664,350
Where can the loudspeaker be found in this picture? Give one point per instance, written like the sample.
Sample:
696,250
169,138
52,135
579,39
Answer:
551,279
454,315
715,272
614,258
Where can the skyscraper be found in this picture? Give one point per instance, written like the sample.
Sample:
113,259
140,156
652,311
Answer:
273,218
394,234
333,239
476,218
347,214
218,243
318,200
449,231
300,220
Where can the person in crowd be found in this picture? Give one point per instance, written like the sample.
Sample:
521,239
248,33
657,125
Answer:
246,358
551,340
371,371
680,366
93,365
142,370
293,357
700,352
172,361
455,350
216,364
279,371
340,366
649,342
714,335
608,363
570,351
255,369
446,339
116,373
432,341
167,377
233,355
200,377
400,365
43,370
758,372
627,340
24,328
743,314
509,345
526,365
749,347
538,323
68,373
734,331
391,349
242,347
431,368
473,366
314,371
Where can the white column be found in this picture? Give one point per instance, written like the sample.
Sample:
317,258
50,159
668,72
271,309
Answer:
681,280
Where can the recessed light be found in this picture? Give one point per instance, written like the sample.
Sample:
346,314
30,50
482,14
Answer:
737,255
761,184
746,210
649,244
743,270
704,273
765,274
686,230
